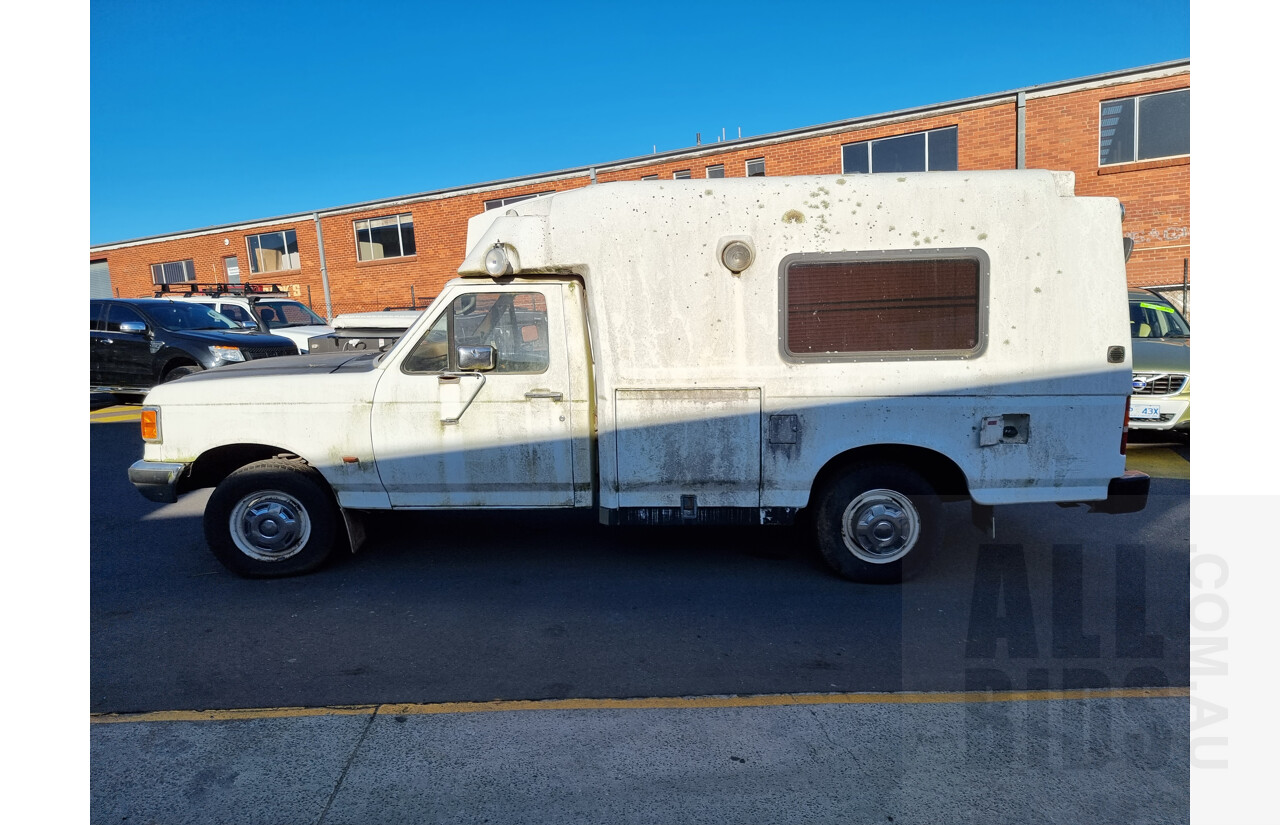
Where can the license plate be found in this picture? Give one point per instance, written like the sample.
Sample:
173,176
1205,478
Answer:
1139,411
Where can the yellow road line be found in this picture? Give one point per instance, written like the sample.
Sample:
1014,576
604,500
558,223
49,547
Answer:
659,703
114,414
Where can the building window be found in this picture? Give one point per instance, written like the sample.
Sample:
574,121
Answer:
755,168
931,151
716,171
891,305
649,177
173,272
1145,127
389,237
273,251
683,174
495,203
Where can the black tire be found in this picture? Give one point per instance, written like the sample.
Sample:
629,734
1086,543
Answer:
177,372
878,523
271,518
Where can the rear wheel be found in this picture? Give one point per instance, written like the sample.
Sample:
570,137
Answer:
271,518
878,523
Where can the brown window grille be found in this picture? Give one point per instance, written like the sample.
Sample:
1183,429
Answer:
896,305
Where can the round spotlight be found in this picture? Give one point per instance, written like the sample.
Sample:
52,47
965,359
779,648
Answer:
737,255
497,262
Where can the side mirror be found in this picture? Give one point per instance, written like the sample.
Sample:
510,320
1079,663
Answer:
480,358
134,327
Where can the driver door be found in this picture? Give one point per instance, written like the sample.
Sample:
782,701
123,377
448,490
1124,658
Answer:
128,360
451,434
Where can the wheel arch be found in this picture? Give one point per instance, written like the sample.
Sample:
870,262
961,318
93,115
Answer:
214,465
943,473
175,359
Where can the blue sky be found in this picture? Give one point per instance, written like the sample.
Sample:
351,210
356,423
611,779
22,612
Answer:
204,113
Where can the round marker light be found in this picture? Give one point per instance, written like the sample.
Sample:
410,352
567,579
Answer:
737,255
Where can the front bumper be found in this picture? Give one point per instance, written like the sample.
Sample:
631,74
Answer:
1126,494
156,480
1169,412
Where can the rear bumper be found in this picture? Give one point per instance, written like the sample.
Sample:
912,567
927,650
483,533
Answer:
1126,494
157,481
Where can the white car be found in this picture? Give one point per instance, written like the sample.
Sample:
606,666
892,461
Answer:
265,307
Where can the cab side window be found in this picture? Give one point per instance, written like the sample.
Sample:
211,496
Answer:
431,354
235,313
513,323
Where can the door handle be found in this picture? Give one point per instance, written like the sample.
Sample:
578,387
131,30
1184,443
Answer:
540,393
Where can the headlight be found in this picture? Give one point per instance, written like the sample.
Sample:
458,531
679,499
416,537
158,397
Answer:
225,355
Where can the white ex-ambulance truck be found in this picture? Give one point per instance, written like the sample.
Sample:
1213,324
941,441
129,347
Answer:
696,352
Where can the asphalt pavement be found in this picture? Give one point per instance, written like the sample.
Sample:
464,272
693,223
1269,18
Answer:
1039,747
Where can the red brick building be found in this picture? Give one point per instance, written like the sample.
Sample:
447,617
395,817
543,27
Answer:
1124,134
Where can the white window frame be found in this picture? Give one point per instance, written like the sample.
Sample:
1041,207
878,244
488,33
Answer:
253,262
187,265
707,171
1137,126
871,169
747,167
497,203
649,177
400,222
683,174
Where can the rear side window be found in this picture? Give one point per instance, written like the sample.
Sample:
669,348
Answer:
853,305
232,311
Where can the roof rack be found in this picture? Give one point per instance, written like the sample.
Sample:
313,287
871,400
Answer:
216,290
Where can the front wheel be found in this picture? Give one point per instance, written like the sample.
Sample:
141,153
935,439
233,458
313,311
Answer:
271,518
878,523
178,372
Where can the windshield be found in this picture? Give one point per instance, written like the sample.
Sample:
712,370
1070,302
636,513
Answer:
288,314
182,315
1154,318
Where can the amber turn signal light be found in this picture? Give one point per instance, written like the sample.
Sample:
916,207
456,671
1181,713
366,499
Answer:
150,424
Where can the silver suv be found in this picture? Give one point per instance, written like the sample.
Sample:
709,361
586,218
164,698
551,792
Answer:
265,307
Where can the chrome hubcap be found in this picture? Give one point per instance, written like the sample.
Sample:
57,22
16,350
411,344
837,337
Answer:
880,526
270,525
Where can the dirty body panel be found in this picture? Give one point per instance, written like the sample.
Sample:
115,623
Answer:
669,317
